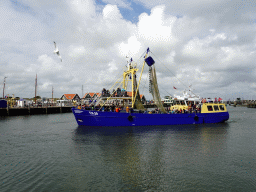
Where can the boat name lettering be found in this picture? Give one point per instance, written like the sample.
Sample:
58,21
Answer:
93,113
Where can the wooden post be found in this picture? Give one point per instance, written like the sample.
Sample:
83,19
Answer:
7,109
35,88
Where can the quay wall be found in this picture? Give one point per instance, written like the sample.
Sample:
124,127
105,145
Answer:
33,111
251,105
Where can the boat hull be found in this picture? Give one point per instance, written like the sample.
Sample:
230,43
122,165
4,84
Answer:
99,118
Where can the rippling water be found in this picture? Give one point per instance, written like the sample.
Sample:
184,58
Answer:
51,153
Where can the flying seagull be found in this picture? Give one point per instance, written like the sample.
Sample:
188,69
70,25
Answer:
57,51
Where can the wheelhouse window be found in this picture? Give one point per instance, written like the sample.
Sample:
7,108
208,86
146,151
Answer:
216,108
209,107
222,107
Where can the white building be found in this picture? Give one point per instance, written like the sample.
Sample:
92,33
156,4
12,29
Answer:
23,103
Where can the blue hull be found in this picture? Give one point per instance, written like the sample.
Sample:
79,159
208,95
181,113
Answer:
99,118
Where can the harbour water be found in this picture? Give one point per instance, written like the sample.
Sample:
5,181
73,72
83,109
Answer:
51,153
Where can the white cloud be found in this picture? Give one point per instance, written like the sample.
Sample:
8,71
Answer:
111,12
131,48
48,64
155,28
112,67
76,51
119,3
207,43
83,8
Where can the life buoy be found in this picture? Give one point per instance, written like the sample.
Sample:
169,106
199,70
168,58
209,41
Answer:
130,118
196,118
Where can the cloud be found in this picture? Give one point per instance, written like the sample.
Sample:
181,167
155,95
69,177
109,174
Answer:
77,51
131,48
156,29
111,12
208,44
83,8
119,3
216,11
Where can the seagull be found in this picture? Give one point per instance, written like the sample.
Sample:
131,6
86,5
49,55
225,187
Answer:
57,51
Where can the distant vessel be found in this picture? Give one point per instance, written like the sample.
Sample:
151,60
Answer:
193,113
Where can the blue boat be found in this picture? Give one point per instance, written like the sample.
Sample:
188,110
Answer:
136,115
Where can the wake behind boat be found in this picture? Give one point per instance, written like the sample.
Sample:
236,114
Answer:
134,113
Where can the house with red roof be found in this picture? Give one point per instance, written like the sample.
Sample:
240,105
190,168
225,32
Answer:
71,97
142,97
90,96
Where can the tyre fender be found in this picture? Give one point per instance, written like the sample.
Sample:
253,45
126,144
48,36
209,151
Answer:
130,118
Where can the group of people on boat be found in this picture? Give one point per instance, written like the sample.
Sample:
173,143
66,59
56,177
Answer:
110,108
115,93
191,108
178,108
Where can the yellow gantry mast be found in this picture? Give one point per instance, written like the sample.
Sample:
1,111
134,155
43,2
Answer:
130,73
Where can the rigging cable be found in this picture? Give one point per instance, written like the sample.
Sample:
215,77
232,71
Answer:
155,66
174,75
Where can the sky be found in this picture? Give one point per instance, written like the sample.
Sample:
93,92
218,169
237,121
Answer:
206,45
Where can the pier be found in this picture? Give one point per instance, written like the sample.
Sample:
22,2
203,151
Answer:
251,105
17,111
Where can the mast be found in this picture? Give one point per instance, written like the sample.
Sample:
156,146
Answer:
52,94
4,87
82,90
35,88
131,72
153,86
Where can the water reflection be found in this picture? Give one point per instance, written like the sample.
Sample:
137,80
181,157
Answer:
84,130
118,149
150,158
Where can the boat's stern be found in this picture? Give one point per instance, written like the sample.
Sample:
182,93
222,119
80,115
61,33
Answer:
214,112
